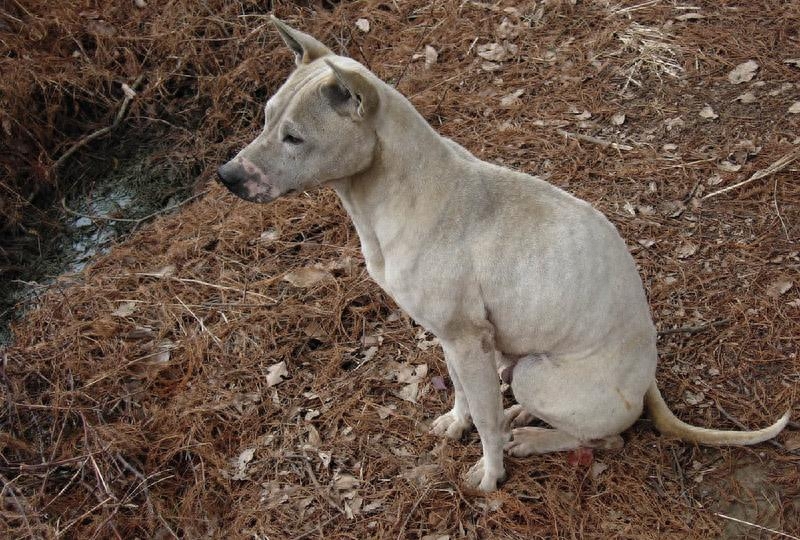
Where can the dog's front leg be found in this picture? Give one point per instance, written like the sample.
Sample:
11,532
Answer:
453,424
473,362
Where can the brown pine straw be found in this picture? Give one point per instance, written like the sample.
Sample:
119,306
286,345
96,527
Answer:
135,400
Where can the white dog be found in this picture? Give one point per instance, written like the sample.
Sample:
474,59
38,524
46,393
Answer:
504,268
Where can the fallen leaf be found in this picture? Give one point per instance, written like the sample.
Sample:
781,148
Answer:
686,250
746,98
511,99
409,392
598,468
628,207
674,123
792,441
792,62
794,303
727,166
646,242
618,119
276,373
490,66
495,52
693,398
124,310
582,115
363,25
345,482
779,287
431,56
708,112
270,235
794,108
306,277
314,439
784,87
690,17
714,180
743,72
240,464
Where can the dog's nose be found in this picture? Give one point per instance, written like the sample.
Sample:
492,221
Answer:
226,175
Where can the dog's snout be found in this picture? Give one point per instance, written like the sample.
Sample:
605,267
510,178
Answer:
227,175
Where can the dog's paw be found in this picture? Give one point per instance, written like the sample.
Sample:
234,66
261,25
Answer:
478,477
517,416
450,426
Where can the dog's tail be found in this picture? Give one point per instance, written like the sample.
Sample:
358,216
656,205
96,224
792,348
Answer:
668,424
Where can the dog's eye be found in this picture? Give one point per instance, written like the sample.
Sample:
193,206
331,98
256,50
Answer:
291,139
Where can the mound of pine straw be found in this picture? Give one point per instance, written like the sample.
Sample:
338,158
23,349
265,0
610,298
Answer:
230,370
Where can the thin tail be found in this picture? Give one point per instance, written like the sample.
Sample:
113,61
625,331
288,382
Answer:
668,424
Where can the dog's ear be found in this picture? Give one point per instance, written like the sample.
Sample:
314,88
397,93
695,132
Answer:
306,49
350,92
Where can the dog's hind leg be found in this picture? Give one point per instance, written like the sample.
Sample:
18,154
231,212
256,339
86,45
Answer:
518,416
454,423
535,440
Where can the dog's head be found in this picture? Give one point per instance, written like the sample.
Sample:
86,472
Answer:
318,127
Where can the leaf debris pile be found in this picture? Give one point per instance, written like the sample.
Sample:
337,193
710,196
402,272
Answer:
230,369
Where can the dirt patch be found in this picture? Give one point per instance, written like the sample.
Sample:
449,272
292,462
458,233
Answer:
231,370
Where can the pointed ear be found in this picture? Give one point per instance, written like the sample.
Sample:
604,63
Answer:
306,49
350,91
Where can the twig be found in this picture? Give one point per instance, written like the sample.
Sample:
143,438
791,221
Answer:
317,528
7,486
594,140
743,522
123,110
693,329
410,512
200,321
776,166
146,491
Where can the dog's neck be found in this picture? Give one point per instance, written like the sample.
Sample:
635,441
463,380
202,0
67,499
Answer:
393,196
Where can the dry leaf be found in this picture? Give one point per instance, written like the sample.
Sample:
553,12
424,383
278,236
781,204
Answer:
240,464
270,235
582,115
490,66
495,52
618,119
674,123
141,4
746,98
646,242
794,108
779,287
714,180
693,398
598,468
511,99
345,482
792,441
743,72
708,112
363,25
409,392
727,166
124,310
792,62
314,440
306,277
276,373
690,17
686,250
784,87
431,56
